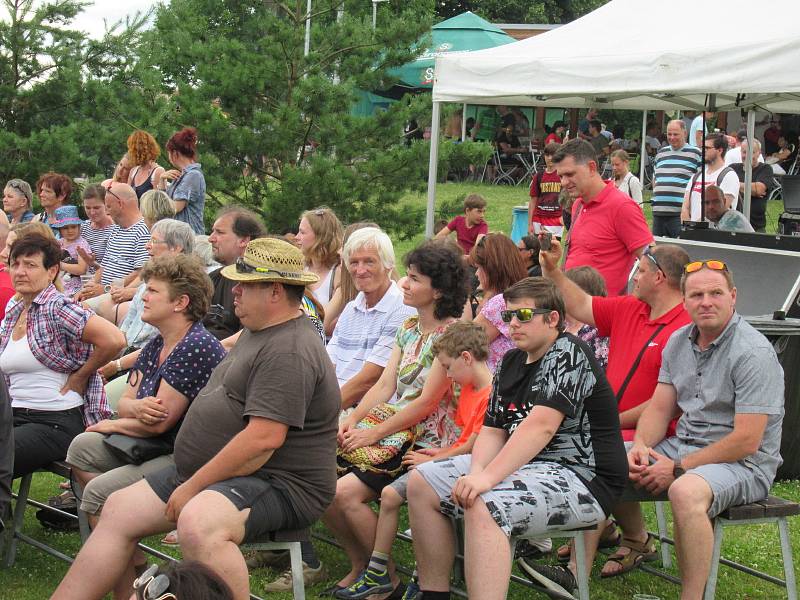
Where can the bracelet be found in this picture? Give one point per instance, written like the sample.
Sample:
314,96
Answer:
119,365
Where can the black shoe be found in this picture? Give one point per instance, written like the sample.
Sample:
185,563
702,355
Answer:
555,581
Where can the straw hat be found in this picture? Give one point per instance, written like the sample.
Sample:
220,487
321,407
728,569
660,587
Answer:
270,259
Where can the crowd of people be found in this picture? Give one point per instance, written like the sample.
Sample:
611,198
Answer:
281,382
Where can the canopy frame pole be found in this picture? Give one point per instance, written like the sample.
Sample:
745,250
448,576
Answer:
432,168
464,123
748,162
643,149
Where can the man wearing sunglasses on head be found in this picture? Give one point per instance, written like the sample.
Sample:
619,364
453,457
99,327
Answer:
549,455
725,379
638,327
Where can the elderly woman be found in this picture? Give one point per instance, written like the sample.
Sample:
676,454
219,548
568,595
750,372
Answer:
414,383
320,237
54,190
17,198
171,369
50,350
188,185
143,150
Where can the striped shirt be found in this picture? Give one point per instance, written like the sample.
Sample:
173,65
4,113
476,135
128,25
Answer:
97,238
125,251
673,170
367,334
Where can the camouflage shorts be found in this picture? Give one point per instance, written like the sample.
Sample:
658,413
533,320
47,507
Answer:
534,500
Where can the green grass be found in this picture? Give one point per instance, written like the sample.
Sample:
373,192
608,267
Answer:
35,574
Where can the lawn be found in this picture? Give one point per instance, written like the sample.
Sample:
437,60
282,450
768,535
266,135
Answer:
35,574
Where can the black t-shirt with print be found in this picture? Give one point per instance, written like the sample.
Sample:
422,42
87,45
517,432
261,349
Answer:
568,379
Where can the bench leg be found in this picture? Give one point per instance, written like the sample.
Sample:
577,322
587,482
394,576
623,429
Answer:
711,586
298,583
19,519
788,562
661,520
582,567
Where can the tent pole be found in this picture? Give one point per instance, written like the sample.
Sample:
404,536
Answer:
464,123
643,148
432,169
748,163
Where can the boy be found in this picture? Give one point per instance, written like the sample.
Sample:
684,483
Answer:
470,226
544,209
462,350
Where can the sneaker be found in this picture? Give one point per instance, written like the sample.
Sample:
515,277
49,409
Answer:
310,577
268,558
533,549
412,591
555,581
371,582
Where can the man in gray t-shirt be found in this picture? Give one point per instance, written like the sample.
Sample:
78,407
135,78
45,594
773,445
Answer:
256,452
725,378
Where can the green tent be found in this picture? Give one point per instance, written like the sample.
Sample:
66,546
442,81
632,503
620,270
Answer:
463,33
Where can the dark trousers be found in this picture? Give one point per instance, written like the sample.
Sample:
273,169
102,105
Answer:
6,449
43,436
667,226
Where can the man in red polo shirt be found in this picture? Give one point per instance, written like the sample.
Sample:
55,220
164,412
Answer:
639,324
608,231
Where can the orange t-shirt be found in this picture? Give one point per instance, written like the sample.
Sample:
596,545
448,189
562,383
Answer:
470,412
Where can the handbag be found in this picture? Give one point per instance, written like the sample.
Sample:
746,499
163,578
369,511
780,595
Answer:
136,450
388,450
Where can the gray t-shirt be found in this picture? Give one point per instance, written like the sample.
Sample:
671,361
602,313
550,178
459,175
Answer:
280,373
738,373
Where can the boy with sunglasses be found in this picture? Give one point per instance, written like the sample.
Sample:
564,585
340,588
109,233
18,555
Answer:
549,454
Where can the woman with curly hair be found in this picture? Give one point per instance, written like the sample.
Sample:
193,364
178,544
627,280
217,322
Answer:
499,266
143,150
54,190
415,384
185,184
320,236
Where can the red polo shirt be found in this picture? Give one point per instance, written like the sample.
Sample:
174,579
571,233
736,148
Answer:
604,234
626,322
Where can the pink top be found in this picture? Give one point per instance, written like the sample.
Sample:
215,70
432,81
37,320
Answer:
605,232
502,343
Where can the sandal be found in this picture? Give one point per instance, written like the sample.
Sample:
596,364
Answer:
638,552
610,538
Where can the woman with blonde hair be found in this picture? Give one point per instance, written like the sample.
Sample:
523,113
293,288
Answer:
143,150
320,236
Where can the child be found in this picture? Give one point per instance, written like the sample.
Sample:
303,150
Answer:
462,350
68,224
470,226
544,209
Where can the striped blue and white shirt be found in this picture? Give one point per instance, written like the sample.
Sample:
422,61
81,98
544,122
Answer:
125,251
673,170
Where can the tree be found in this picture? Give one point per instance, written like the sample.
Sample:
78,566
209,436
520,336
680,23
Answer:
281,137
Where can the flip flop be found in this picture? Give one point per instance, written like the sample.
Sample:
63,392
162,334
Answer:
638,553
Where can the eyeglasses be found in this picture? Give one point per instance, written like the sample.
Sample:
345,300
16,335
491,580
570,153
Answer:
649,254
714,265
149,586
108,190
523,314
243,267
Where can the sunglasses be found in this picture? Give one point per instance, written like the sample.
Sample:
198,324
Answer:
523,314
649,254
243,267
108,191
714,265
149,586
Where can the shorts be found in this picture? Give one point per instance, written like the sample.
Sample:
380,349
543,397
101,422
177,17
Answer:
270,507
87,452
731,484
533,501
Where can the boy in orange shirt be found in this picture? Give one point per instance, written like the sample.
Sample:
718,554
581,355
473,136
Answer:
462,350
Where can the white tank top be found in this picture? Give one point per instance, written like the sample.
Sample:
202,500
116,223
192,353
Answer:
32,384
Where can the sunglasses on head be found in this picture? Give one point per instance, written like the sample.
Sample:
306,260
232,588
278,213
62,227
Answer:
243,267
149,586
714,265
523,314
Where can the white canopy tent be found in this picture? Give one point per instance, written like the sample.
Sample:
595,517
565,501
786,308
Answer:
638,55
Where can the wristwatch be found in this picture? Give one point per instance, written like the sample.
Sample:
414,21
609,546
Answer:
678,469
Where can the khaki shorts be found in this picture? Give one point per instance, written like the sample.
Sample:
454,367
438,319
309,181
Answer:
88,453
